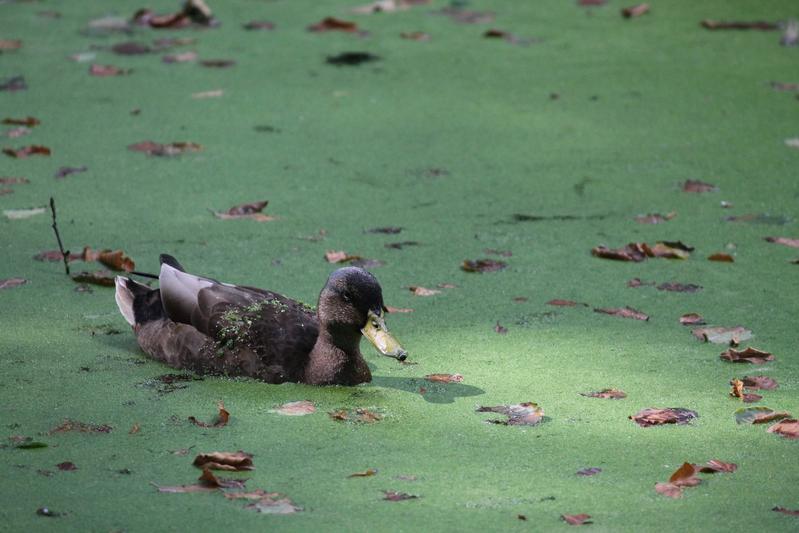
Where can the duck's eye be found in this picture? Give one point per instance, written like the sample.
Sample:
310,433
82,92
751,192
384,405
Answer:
375,324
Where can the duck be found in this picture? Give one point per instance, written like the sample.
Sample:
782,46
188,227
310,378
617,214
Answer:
196,323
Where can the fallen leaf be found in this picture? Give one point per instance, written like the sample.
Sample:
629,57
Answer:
785,241
610,394
250,210
254,25
217,63
221,419
671,250
165,150
230,461
298,408
9,283
67,466
591,471
464,16
104,71
216,93
483,265
391,230
576,519
400,245
502,330
83,427
113,259
359,415
788,428
655,218
749,355
635,11
692,319
415,36
267,502
393,496
722,335
565,303
522,414
758,414
183,57
783,510
332,256
399,309
509,37
721,257
715,466
737,391
423,291
444,378
99,277
698,186
736,25
685,476
207,482
522,299
13,84
623,312
656,416
759,382
10,44
334,24
351,59
194,12
27,151
668,489
369,472
28,122
135,428
14,181
131,48
63,172
679,287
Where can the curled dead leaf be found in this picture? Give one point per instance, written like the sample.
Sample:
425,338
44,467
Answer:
692,319
27,151
789,429
653,416
393,496
635,11
221,419
623,312
444,378
231,461
698,186
483,265
564,303
785,241
369,472
165,150
610,394
721,257
749,355
423,291
760,382
298,408
576,519
105,71
99,277
340,256
9,283
252,210
722,335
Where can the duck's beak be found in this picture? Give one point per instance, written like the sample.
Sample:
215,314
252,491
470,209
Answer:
376,331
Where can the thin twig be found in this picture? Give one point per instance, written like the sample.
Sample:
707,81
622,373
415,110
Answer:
64,254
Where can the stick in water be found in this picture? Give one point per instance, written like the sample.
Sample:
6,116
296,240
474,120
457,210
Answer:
64,254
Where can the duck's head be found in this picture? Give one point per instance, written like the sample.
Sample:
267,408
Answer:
352,302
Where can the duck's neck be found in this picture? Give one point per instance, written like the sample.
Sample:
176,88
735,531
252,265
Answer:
336,359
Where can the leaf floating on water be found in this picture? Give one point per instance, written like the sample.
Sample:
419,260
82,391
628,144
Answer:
369,472
360,415
623,312
698,186
749,355
388,6
13,84
668,489
759,382
208,482
509,37
737,391
63,172
99,277
113,259
105,71
444,378
692,319
789,429
27,151
389,230
83,427
216,93
184,57
635,11
253,211
28,122
257,25
217,63
299,408
759,414
351,59
399,309
566,303
131,48
423,291
393,496
721,257
165,150
266,502
783,510
334,24
67,466
587,472
715,466
221,419
785,241
710,24
656,416
655,218
483,265
415,36
522,414
231,461
9,283
723,335
577,519
610,394
340,256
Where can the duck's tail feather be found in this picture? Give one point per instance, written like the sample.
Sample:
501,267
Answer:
167,259
138,303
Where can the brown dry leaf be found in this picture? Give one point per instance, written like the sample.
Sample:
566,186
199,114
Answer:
653,416
165,150
522,414
685,476
299,408
230,461
359,415
737,391
444,378
14,181
483,265
783,510
759,414
635,11
610,394
252,210
28,122
67,466
721,257
221,419
340,256
789,429
692,319
415,36
715,466
502,330
113,259
207,482
587,472
672,250
103,278
135,428
369,472
668,489
399,309
63,172
624,312
785,241
698,186
19,214
131,48
564,303
55,255
737,25
655,218
679,287
722,335
576,519
759,382
16,133
635,251
183,57
423,291
749,355
27,151
509,37
9,283
105,71
84,427
10,44
393,496
388,230
334,24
